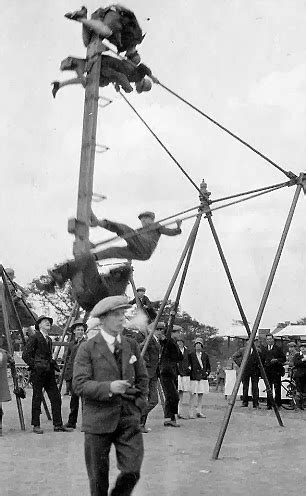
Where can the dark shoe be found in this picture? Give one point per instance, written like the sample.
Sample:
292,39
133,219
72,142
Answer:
171,423
37,430
257,407
62,428
70,426
201,415
181,417
77,14
244,405
47,284
56,275
269,407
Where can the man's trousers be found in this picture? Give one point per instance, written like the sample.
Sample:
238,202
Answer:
135,249
275,380
254,376
45,380
169,385
128,443
152,398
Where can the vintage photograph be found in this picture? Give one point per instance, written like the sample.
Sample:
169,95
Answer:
152,289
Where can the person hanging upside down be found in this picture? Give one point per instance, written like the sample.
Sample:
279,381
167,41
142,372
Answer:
141,243
88,285
120,72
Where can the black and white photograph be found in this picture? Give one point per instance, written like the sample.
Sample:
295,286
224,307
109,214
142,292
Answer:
152,289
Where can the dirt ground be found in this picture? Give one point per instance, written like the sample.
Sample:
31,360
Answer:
257,457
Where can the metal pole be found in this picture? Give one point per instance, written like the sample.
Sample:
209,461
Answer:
170,287
258,319
11,352
73,312
184,274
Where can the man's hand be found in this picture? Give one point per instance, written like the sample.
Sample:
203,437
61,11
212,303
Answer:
119,387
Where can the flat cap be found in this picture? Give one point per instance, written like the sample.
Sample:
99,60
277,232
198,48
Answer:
147,214
110,304
292,343
199,340
78,323
141,289
39,320
176,328
160,325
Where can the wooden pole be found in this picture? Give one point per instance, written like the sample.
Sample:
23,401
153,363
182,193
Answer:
11,352
258,318
80,226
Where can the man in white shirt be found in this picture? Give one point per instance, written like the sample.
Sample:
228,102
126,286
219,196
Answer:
111,377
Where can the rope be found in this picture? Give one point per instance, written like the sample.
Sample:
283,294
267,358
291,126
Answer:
145,229
243,142
183,219
226,130
162,145
288,183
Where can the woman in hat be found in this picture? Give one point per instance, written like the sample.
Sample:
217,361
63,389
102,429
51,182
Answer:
183,374
4,387
78,330
200,370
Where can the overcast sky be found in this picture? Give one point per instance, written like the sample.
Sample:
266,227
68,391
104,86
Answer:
241,62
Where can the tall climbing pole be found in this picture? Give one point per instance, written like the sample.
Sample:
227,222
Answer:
80,226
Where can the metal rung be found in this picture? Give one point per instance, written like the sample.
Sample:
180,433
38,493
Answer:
101,148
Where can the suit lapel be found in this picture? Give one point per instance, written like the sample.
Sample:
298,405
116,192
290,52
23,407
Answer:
126,355
105,351
43,341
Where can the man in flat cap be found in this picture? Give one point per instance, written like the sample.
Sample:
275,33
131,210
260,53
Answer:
145,303
77,330
110,376
37,355
141,243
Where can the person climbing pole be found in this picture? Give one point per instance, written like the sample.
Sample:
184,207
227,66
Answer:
141,243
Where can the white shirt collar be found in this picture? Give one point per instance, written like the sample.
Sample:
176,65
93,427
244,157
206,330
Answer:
45,334
109,338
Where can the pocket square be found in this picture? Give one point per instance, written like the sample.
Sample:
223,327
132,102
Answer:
133,359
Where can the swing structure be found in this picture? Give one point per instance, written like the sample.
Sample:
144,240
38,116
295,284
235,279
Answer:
80,225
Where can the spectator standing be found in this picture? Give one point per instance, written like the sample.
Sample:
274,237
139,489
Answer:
200,370
220,377
183,374
274,360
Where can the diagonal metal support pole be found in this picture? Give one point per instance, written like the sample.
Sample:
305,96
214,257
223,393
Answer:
257,320
184,274
11,352
170,287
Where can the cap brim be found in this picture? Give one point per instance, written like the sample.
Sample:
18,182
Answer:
118,307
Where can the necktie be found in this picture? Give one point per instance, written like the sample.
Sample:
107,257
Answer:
118,355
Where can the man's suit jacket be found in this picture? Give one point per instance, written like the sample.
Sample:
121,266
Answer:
71,354
94,369
299,366
198,373
275,353
151,357
37,353
252,365
169,358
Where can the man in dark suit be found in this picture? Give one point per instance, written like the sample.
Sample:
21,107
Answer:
299,362
111,377
145,303
170,356
151,358
37,355
251,372
274,360
77,329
